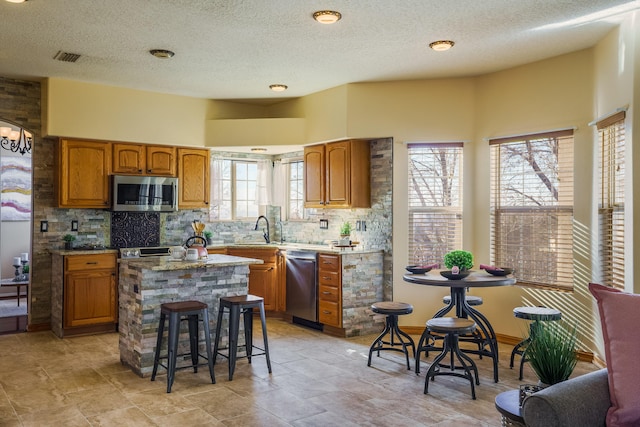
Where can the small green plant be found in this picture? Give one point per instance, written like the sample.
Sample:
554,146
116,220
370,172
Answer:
345,229
208,234
461,259
25,269
552,351
69,238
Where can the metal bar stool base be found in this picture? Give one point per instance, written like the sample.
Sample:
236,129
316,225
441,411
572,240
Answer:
392,310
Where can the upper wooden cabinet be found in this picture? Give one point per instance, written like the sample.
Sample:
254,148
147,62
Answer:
83,174
337,175
193,178
139,159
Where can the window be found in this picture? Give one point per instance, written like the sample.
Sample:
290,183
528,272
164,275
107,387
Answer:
611,138
296,189
532,207
234,182
435,201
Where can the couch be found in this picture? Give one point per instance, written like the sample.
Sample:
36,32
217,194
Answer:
581,401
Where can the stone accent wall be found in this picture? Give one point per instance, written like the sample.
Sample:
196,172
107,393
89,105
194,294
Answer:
361,286
142,291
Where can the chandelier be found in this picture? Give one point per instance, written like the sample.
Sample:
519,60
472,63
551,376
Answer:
18,141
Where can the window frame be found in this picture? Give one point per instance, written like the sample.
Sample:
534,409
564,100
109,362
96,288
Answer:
300,183
233,182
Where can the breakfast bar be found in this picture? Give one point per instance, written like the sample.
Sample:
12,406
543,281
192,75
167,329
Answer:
146,283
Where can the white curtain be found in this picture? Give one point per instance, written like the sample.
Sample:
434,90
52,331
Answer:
280,184
216,184
263,182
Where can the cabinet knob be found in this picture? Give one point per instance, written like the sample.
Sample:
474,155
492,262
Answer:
326,312
326,293
92,262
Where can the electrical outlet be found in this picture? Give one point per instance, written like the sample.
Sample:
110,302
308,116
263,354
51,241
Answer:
44,226
358,225
324,224
363,225
74,225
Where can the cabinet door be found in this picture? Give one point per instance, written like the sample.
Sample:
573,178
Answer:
314,176
83,174
193,178
161,160
128,158
90,298
338,161
262,280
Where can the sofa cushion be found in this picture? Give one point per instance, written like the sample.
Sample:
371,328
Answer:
620,317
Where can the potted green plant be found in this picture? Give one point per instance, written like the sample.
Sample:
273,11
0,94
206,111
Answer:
208,235
68,240
345,233
552,351
459,258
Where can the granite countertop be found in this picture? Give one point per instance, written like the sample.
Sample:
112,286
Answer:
168,264
297,246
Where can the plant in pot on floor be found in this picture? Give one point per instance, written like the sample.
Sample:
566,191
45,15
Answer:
552,352
68,240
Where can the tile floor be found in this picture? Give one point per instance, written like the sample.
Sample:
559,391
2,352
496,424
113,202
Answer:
317,380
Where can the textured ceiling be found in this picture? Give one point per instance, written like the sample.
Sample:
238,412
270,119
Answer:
228,49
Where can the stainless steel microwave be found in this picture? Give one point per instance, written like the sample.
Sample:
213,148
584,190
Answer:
145,193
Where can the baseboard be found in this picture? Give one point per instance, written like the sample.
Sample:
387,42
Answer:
38,327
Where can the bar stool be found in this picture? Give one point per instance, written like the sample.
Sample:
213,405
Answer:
535,314
427,341
178,311
452,327
241,304
392,310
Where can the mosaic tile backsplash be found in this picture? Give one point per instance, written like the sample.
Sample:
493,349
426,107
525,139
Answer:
135,229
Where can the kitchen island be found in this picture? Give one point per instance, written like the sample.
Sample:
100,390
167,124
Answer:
146,283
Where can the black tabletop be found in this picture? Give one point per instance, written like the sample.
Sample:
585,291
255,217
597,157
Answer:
508,404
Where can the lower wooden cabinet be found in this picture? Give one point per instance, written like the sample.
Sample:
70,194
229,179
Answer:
265,280
329,290
90,291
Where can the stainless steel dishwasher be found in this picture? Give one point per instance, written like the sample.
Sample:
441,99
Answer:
302,286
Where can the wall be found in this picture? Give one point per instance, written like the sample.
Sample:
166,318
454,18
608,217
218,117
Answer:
84,110
20,104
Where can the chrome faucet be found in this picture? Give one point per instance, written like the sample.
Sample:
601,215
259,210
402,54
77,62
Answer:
265,233
279,223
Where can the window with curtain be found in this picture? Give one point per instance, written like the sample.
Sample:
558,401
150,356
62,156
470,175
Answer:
532,207
234,187
611,138
296,190
435,201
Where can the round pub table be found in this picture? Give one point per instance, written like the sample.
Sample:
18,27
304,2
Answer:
477,279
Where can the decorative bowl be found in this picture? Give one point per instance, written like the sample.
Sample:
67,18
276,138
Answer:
418,269
449,275
502,271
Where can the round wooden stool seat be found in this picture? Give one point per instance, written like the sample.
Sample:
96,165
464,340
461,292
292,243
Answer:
537,313
392,308
444,325
470,299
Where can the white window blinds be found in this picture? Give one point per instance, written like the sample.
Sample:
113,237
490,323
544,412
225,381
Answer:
611,136
435,201
532,207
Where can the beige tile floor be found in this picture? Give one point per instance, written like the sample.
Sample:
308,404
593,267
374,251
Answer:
317,380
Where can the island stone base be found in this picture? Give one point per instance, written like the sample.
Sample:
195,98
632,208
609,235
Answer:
143,290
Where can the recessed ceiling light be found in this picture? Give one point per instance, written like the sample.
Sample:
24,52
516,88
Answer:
259,150
161,53
441,45
16,1
278,88
327,16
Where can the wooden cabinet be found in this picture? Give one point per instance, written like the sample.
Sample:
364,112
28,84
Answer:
264,279
329,290
83,169
140,159
337,175
90,291
193,178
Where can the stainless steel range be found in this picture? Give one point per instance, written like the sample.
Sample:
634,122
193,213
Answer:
144,252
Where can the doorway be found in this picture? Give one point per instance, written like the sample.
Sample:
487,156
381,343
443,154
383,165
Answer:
16,178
